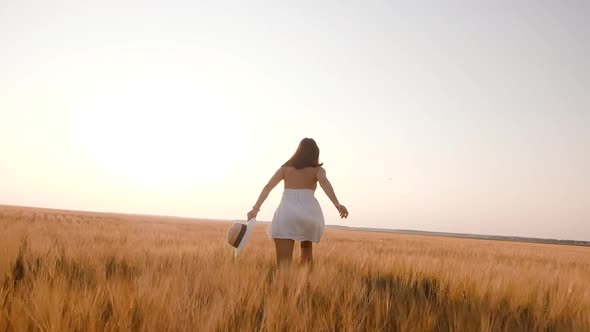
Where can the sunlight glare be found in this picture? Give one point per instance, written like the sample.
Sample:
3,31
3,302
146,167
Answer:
161,132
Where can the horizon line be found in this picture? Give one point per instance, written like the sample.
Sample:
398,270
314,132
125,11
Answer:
475,236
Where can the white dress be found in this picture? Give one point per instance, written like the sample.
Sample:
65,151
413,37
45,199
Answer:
299,217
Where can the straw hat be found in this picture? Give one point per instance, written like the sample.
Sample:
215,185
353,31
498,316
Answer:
238,235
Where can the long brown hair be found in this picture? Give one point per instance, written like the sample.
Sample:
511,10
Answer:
307,155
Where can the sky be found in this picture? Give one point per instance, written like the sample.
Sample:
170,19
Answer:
454,116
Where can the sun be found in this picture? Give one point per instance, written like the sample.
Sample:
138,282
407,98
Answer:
161,132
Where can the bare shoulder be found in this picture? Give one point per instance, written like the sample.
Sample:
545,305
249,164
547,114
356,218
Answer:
320,173
280,172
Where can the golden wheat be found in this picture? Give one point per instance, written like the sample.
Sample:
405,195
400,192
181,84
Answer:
76,271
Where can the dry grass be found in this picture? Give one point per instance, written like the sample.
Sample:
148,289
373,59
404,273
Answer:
76,271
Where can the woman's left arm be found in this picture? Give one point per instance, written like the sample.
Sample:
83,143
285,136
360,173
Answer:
276,179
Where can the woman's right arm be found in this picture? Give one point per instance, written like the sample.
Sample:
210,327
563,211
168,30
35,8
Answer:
329,190
276,179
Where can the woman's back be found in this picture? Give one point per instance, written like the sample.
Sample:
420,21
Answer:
305,178
299,216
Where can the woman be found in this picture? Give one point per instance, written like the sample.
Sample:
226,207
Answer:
299,216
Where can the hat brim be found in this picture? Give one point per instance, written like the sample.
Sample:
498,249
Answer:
242,245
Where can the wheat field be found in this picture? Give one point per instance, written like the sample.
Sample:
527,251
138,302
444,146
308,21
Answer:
77,271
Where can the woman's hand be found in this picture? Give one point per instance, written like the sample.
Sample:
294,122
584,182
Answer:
342,210
252,214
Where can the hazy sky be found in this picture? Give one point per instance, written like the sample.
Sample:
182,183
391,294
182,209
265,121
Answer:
461,116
